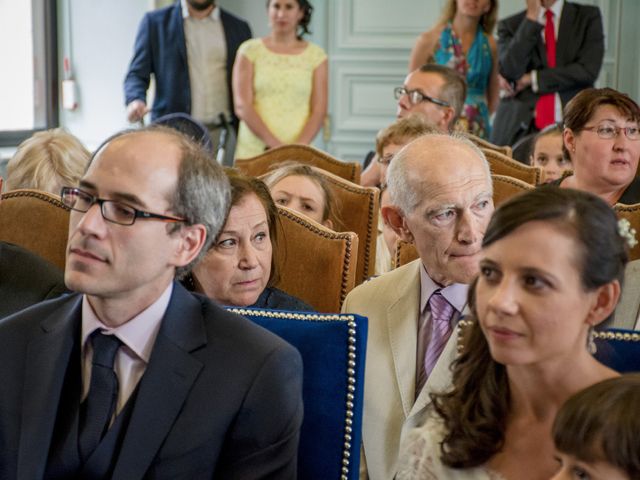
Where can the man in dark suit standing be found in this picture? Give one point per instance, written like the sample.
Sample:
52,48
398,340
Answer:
190,48
25,279
135,377
547,54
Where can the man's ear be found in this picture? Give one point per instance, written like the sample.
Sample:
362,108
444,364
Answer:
394,217
606,299
447,118
191,241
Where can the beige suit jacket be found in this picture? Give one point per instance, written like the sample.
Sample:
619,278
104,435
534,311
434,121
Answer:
391,303
629,305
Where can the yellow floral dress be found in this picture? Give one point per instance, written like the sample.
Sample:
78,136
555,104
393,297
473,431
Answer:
282,86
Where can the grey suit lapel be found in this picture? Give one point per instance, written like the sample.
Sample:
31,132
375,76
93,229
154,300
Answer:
402,327
46,363
165,385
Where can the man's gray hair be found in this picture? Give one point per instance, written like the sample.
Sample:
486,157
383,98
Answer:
405,192
202,195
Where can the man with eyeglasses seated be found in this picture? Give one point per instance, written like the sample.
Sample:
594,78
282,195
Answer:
434,92
134,377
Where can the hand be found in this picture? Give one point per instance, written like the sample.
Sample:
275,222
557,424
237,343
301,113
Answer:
533,9
523,82
136,110
506,87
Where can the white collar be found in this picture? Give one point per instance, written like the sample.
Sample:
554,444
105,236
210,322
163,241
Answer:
556,8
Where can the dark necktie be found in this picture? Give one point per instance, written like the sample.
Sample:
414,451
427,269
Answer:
546,104
97,409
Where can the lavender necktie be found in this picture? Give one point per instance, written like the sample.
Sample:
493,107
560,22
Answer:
441,312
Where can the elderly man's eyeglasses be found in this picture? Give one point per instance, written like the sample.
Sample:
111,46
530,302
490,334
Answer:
416,96
609,131
112,211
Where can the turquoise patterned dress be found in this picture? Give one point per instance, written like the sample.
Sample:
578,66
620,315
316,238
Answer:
476,67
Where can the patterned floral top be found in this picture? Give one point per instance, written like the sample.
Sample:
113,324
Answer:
476,66
282,85
420,458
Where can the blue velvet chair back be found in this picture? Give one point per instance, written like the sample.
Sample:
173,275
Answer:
333,348
619,349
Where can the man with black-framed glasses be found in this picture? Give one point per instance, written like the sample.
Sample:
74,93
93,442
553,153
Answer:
434,92
133,376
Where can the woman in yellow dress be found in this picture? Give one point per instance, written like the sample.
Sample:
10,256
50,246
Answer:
280,82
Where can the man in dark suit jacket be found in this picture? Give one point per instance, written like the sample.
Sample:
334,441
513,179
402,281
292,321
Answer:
215,395
523,63
160,49
25,279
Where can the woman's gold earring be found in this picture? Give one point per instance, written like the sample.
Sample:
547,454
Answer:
591,342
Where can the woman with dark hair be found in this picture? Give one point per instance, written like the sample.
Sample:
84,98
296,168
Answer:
280,82
462,39
602,138
596,432
551,270
239,269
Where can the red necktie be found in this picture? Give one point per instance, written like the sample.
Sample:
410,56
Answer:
545,106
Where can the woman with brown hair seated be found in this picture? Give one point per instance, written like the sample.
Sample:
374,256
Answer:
550,271
239,269
602,139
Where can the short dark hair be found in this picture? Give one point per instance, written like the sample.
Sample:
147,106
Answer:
480,384
602,423
580,109
454,90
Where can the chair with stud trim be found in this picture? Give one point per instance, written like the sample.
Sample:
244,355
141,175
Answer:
305,154
37,221
333,349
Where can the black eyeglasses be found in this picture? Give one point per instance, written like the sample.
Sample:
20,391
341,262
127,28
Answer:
112,211
416,96
609,131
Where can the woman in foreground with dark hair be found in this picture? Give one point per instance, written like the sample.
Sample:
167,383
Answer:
551,270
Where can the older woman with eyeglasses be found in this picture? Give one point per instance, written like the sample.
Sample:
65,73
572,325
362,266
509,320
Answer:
602,138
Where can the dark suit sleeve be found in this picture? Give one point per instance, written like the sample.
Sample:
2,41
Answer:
263,442
137,80
517,40
583,70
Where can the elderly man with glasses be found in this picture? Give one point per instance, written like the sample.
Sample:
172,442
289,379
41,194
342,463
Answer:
433,92
134,377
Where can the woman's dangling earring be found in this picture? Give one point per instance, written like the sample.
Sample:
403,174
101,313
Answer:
591,342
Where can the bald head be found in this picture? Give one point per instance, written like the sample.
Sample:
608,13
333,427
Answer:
441,195
432,162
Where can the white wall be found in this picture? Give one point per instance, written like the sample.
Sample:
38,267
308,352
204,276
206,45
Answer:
99,36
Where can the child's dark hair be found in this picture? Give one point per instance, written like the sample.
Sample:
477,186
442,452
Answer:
601,423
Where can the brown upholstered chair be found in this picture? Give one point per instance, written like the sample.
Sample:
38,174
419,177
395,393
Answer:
37,221
502,165
506,187
631,213
482,143
405,252
503,189
358,207
315,263
261,164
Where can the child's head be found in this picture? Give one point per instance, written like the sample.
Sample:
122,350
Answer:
304,190
547,153
391,139
597,431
